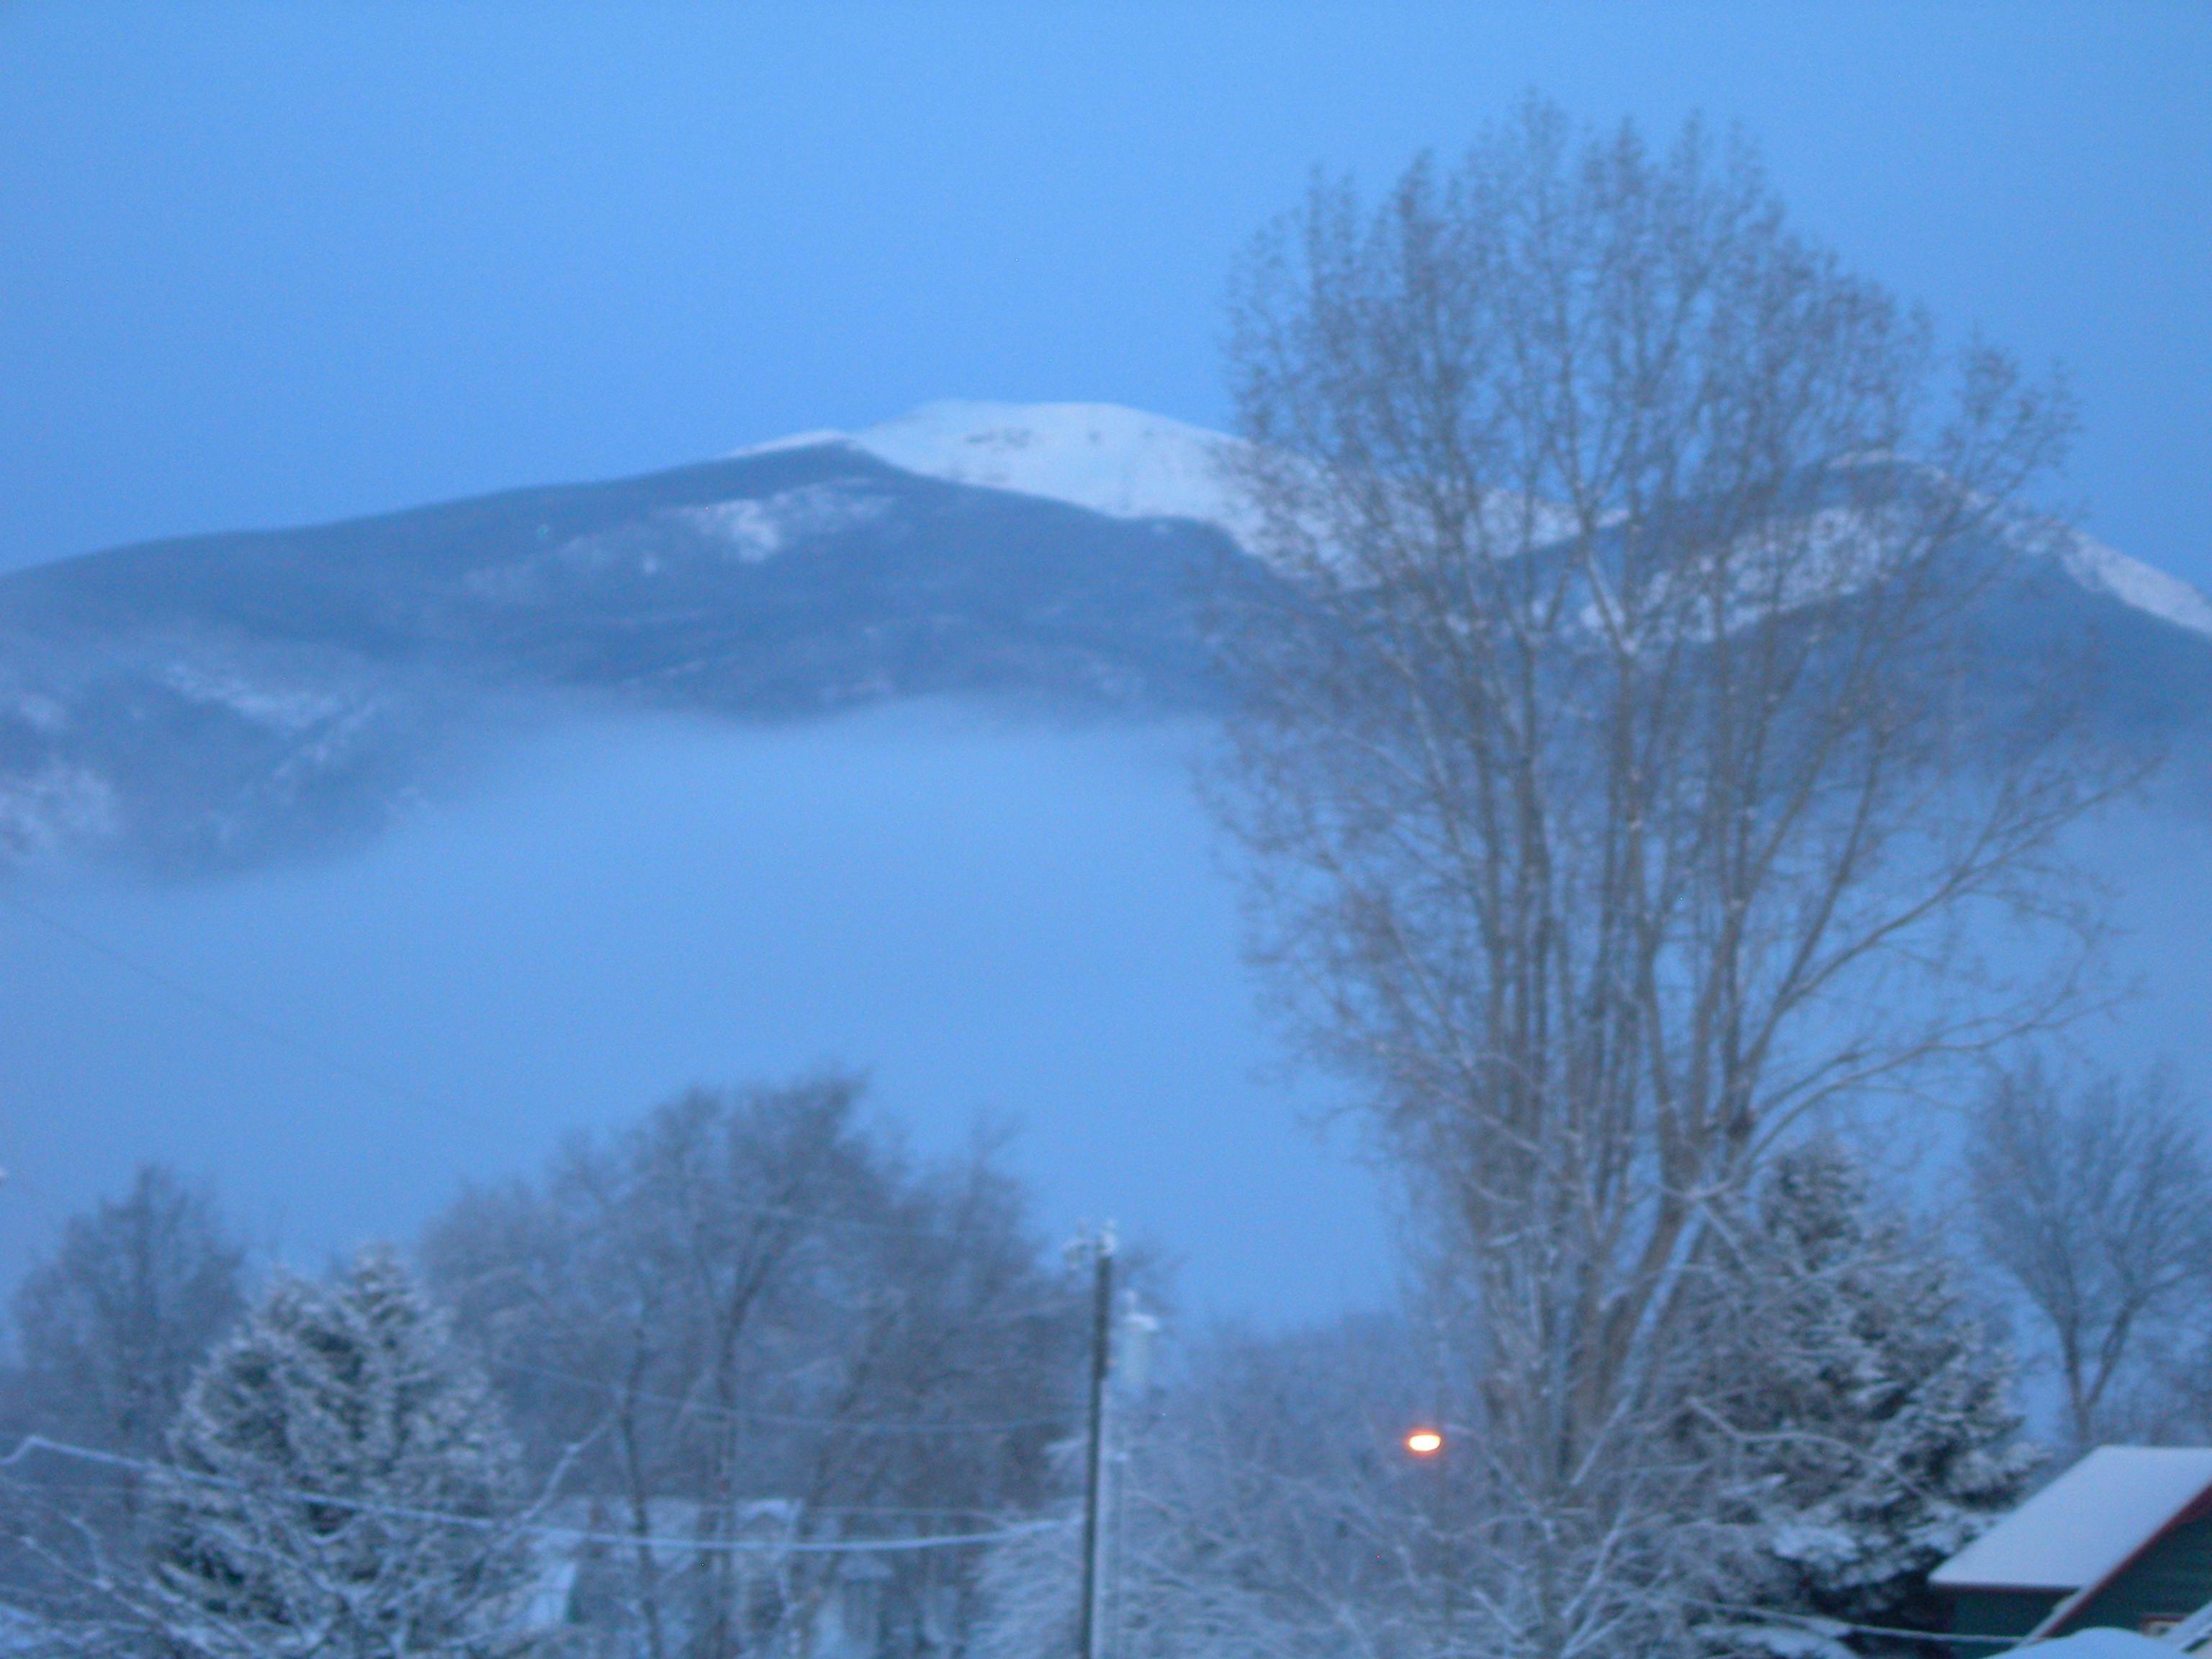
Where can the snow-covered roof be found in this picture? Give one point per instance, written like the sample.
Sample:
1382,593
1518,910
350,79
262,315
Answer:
1113,460
2085,1524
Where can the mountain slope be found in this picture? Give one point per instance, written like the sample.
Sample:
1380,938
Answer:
218,698
223,699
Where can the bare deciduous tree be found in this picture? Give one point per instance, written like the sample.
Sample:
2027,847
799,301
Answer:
1262,1505
112,1325
761,1310
2095,1201
110,1328
1605,749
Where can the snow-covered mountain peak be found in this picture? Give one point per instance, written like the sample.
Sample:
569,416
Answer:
1113,460
1131,464
2102,569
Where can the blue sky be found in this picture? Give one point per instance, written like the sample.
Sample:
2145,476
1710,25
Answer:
271,264
266,264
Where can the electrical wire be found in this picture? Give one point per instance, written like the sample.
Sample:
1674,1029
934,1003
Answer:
267,1030
1827,1624
338,1066
972,1425
33,1444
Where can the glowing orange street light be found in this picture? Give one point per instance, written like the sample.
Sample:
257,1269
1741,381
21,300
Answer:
1424,1443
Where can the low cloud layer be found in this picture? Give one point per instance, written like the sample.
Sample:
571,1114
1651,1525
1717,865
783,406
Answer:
1014,922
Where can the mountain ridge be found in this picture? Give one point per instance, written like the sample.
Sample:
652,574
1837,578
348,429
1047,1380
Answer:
218,700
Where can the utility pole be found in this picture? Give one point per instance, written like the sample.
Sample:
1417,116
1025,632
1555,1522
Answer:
1100,1250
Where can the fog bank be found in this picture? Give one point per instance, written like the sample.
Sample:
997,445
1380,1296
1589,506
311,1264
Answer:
1016,922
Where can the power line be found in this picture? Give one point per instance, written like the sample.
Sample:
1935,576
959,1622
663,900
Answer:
267,1030
1818,1622
895,1426
902,1229
32,1443
305,1047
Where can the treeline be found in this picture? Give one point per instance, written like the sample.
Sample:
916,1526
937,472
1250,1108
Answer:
746,1378
1858,1392
697,1371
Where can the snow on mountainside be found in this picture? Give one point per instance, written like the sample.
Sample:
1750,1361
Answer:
2102,569
218,700
1113,460
1130,464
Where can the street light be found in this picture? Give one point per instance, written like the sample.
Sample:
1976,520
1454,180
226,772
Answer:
1424,1443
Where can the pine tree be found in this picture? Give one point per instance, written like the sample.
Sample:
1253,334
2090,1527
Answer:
343,1485
1854,1415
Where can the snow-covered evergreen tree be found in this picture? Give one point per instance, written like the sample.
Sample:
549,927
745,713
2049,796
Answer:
344,1485
1855,1417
